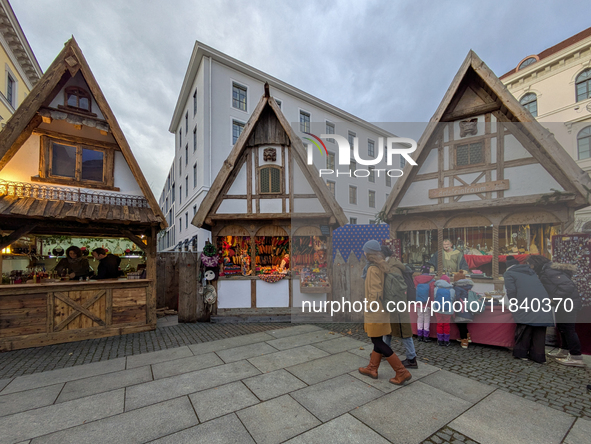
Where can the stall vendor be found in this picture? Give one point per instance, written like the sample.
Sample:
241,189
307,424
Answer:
73,264
453,260
108,264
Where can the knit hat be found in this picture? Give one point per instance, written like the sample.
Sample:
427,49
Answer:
511,261
445,278
426,269
459,276
372,246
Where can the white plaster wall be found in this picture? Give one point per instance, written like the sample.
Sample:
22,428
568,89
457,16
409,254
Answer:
77,80
233,294
418,193
25,163
232,206
300,183
529,179
493,150
493,124
124,178
298,297
445,134
239,185
271,206
469,178
446,158
272,295
431,163
493,175
309,206
514,149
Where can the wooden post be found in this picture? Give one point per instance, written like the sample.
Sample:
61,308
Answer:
440,249
495,258
151,274
187,287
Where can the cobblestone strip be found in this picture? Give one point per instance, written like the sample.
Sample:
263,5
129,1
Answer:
448,436
52,357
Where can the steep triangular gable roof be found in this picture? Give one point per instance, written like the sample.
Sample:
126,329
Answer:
496,99
298,152
26,118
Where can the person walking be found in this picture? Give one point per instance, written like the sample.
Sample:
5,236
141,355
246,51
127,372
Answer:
557,280
523,286
377,319
400,321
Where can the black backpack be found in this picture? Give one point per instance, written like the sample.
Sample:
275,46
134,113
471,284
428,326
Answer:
411,291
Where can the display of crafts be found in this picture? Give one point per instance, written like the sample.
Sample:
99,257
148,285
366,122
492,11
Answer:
314,277
309,251
270,249
233,249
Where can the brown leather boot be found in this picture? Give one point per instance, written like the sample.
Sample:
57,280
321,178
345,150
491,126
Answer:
372,369
402,374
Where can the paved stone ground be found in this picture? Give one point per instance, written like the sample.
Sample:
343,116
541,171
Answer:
295,384
553,385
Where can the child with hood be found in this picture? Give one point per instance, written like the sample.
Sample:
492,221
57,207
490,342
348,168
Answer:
444,296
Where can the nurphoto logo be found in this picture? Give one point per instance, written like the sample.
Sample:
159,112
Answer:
401,146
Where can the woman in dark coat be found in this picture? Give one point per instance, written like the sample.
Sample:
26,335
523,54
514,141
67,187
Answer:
557,280
522,284
74,264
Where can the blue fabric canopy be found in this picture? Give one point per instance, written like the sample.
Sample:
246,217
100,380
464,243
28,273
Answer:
352,237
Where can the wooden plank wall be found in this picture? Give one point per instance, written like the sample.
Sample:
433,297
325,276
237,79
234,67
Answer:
167,284
347,283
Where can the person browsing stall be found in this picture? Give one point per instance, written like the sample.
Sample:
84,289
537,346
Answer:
73,264
108,264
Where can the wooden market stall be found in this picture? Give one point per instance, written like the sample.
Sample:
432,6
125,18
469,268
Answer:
265,203
489,178
66,169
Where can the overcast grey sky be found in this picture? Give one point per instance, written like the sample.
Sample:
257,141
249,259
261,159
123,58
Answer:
383,61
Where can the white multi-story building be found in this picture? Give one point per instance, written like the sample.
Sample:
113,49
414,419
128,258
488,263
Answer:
555,86
216,100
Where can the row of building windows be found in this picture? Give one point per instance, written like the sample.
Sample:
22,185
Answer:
582,92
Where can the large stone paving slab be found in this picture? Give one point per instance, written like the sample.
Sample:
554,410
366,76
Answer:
271,385
158,356
37,422
185,365
580,433
464,388
292,331
510,418
412,414
138,426
332,398
220,401
342,430
286,358
4,383
31,399
43,379
223,344
224,430
162,389
339,344
104,383
245,352
277,420
301,339
322,369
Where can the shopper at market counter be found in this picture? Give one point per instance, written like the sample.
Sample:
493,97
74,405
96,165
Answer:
453,260
377,323
108,264
522,285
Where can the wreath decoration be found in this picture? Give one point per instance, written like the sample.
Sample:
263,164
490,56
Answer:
210,250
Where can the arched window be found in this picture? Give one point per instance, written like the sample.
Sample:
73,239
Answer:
530,103
78,99
270,180
584,143
583,85
527,62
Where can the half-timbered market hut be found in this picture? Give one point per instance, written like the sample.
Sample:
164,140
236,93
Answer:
271,218
66,169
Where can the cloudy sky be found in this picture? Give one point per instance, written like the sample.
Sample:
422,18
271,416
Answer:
383,61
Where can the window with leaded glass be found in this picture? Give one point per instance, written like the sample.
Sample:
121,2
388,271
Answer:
371,148
583,85
584,143
332,187
239,96
352,195
237,128
304,122
530,103
330,162
470,154
270,180
372,199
